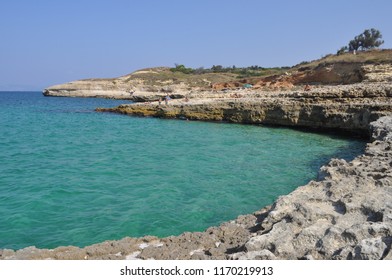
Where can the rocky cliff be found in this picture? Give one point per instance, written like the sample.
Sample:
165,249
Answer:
333,73
350,107
142,85
106,88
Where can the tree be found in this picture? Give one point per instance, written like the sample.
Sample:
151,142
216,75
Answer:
342,50
181,68
354,45
372,39
216,68
369,39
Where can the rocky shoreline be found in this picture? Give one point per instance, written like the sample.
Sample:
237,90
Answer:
345,214
347,108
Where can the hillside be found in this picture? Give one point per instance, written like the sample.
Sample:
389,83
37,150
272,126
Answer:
370,66
141,84
153,83
364,57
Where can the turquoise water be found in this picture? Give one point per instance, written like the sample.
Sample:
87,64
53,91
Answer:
72,176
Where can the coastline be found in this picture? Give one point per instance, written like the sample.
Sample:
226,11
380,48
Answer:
345,108
345,214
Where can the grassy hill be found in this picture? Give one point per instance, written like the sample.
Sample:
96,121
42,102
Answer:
332,69
205,78
364,57
164,76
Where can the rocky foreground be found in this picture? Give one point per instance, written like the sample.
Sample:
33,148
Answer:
345,214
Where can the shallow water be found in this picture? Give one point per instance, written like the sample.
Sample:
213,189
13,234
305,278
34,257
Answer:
72,176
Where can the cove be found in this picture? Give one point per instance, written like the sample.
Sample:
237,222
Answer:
72,176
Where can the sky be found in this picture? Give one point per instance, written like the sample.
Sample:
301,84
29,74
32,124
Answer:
48,42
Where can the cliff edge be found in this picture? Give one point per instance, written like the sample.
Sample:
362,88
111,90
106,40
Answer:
348,108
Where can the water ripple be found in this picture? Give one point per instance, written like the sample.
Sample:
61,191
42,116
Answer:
69,176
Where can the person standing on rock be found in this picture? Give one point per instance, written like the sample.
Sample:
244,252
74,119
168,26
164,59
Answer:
167,98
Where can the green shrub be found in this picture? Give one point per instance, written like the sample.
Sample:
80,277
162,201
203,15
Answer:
181,68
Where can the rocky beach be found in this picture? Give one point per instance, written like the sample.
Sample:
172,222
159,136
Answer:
345,214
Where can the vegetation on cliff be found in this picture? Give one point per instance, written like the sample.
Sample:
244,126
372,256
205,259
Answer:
330,69
241,72
369,39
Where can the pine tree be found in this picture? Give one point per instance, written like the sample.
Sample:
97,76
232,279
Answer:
369,39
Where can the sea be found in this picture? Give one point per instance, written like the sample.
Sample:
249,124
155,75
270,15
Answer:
73,176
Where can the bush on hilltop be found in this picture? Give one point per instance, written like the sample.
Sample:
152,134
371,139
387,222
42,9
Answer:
181,68
242,72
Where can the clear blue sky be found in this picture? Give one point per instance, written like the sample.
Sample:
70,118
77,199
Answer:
46,42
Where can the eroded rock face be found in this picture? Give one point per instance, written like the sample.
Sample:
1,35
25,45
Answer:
337,73
349,107
140,86
324,74
377,72
107,88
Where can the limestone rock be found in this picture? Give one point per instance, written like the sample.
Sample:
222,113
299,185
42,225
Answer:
369,249
144,85
107,88
377,72
254,255
351,107
382,129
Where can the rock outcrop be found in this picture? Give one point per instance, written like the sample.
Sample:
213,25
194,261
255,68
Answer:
104,88
140,86
377,73
350,107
